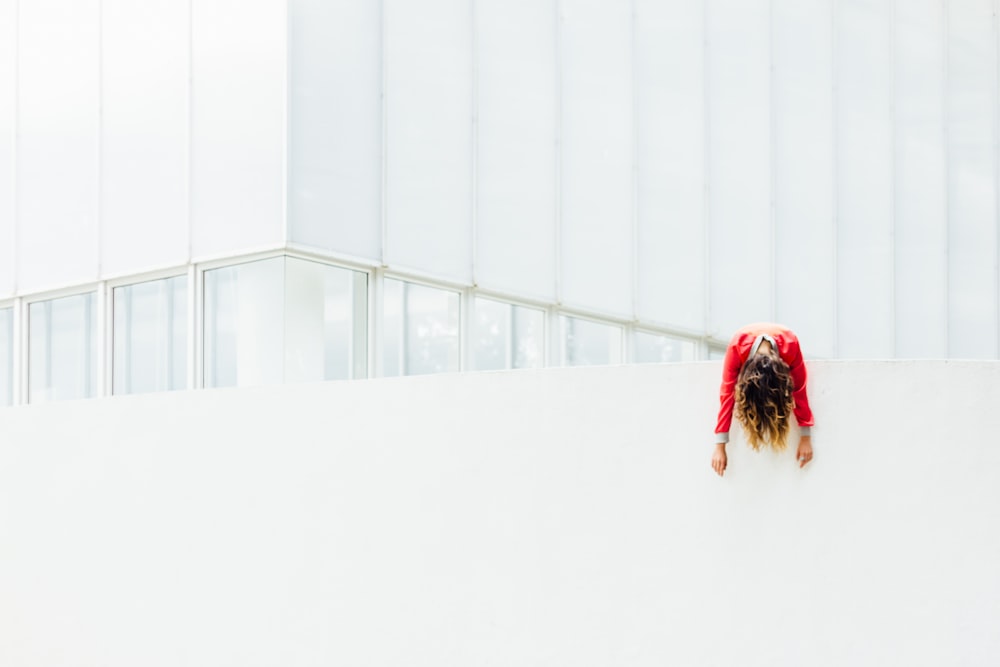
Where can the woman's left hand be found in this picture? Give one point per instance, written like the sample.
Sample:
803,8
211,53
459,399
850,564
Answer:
805,452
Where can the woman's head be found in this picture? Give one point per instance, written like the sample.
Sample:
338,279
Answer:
764,400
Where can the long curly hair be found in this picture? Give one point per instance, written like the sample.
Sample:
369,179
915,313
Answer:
764,401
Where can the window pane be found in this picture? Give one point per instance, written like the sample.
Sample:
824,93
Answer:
587,343
421,329
6,356
150,336
528,327
325,322
62,343
650,348
284,319
244,332
506,336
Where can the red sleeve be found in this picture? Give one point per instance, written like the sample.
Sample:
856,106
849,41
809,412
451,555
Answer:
793,357
730,372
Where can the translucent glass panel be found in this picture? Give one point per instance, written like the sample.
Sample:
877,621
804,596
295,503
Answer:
57,148
421,333
596,223
144,124
587,343
6,356
326,317
506,336
516,150
244,331
238,125
920,224
670,156
654,348
150,336
739,163
429,135
864,178
62,348
283,319
802,171
335,125
972,180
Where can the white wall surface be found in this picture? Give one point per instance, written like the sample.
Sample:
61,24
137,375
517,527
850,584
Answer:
8,70
694,165
145,70
124,127
238,91
549,517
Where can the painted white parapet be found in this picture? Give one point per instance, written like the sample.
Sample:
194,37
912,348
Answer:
558,517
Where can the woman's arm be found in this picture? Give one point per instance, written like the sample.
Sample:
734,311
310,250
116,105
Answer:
730,372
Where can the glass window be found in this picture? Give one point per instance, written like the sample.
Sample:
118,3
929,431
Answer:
421,329
587,343
653,348
150,336
716,354
62,343
6,356
326,320
506,336
284,320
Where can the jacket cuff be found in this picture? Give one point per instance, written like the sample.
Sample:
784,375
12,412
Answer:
805,430
722,437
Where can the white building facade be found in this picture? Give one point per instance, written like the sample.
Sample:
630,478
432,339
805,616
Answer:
215,194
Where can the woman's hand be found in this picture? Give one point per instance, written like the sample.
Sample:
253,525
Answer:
805,452
719,459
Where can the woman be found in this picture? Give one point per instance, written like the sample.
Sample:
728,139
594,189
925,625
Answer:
763,383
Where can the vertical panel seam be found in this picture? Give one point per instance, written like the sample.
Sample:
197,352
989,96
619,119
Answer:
946,138
286,127
384,171
14,157
635,169
996,179
558,151
474,149
835,176
772,161
706,174
99,158
892,177
189,131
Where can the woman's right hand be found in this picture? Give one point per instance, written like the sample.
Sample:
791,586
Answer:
719,459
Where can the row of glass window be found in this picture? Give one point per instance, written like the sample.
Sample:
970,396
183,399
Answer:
287,319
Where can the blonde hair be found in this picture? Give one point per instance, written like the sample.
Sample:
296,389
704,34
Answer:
764,401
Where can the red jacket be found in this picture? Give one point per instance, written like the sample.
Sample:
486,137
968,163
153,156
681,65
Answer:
738,352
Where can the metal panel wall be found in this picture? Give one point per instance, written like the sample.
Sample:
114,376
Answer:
972,179
335,126
802,124
238,92
864,157
596,140
920,226
429,136
670,162
144,127
516,146
57,143
8,116
741,252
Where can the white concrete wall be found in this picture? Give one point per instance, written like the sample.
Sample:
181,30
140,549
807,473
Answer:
559,517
